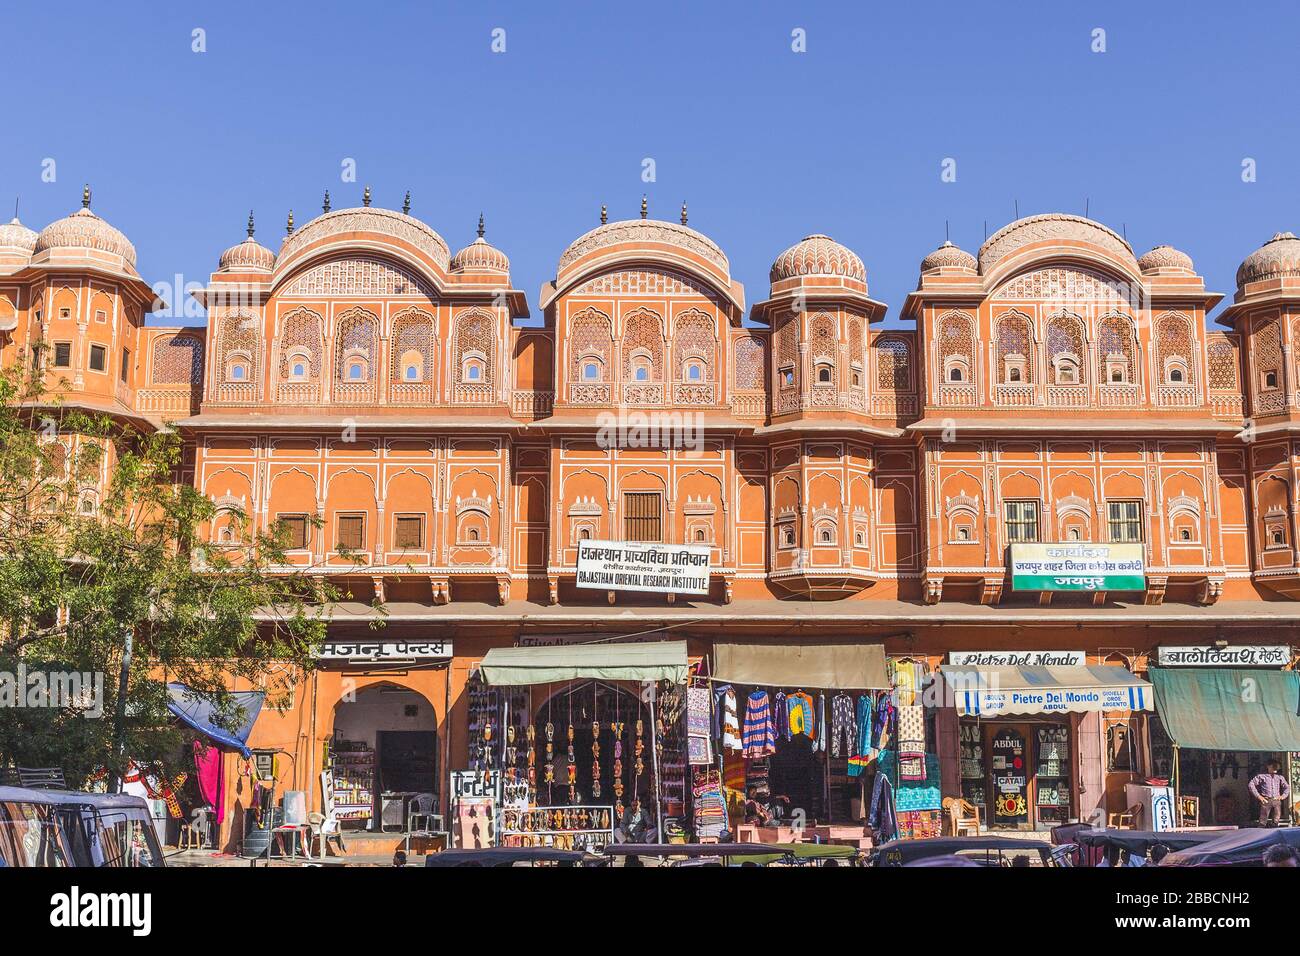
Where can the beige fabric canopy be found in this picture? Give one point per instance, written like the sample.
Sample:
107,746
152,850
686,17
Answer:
515,666
823,666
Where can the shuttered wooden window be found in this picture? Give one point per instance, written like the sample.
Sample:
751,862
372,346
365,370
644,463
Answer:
642,516
351,532
294,529
408,533
1022,521
1125,520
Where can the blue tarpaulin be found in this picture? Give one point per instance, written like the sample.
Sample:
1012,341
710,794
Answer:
198,713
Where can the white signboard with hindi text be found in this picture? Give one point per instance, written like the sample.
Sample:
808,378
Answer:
1247,655
370,650
640,566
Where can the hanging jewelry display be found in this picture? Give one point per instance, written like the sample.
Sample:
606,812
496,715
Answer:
532,756
548,772
595,758
617,728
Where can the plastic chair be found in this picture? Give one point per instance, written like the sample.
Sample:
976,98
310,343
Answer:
322,831
961,816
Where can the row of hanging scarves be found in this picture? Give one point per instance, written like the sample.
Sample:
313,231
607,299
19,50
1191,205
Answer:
857,728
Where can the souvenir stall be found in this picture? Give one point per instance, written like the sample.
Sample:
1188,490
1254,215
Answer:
800,732
585,736
1220,738
1018,733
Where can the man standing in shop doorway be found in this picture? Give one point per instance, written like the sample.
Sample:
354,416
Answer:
1270,788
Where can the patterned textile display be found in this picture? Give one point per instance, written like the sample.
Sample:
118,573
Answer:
760,734
881,818
844,728
919,824
911,742
820,743
913,794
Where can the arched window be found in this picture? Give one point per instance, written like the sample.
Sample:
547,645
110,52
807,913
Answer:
1173,335
475,348
1065,349
956,347
1117,349
412,347
1014,348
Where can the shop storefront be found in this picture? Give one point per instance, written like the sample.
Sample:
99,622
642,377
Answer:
1021,724
1222,717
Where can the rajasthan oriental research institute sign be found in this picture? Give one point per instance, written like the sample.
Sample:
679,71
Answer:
1077,567
637,566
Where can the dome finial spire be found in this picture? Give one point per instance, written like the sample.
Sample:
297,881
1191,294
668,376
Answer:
365,197
480,225
406,204
604,214
645,209
251,225
325,206
288,226
85,196
683,212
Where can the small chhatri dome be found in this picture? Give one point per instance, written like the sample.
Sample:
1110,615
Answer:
818,255
1277,258
84,230
949,258
1165,259
14,235
249,256
480,256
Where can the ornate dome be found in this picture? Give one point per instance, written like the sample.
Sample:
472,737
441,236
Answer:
641,232
1165,258
948,256
1278,257
818,255
388,222
480,256
14,235
84,230
1054,225
249,255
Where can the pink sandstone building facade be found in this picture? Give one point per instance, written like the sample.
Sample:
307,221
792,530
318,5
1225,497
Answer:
435,441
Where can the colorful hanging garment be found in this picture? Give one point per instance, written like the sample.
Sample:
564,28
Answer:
884,721
207,761
821,724
729,736
882,818
844,728
781,715
861,752
760,735
799,706
911,742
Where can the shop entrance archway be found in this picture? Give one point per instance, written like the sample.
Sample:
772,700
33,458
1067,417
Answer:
383,754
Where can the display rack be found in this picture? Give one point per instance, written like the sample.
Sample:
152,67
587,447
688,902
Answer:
1052,783
567,828
352,764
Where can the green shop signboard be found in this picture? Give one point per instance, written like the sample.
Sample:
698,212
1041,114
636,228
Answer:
1077,567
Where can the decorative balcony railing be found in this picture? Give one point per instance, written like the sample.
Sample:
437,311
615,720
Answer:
957,393
643,393
167,401
590,393
1226,406
298,393
749,404
237,393
686,394
1117,396
411,393
354,393
473,395
893,406
1015,395
1176,396
532,403
1067,396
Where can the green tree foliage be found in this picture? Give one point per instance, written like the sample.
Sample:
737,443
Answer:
101,539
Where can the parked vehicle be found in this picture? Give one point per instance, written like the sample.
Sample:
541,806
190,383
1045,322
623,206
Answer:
982,850
1235,848
58,828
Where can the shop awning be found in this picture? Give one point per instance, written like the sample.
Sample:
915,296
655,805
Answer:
822,666
1222,708
513,666
993,691
199,713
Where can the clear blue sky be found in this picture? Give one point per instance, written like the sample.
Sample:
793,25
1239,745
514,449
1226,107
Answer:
766,144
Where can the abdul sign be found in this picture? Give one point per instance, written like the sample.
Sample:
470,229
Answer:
1077,567
636,566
